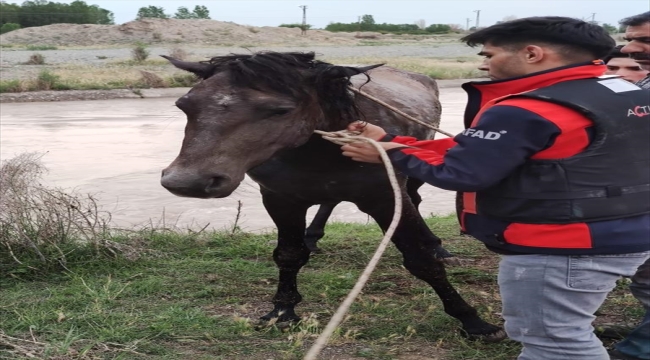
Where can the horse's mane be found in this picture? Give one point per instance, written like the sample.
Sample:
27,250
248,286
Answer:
290,73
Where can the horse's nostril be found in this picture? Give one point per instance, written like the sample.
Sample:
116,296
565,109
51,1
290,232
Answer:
216,182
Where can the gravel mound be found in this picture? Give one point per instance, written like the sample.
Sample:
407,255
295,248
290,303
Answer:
180,31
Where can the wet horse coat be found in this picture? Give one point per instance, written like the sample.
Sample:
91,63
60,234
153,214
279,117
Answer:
255,114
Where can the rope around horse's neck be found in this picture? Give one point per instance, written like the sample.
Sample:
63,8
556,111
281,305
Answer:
396,110
342,138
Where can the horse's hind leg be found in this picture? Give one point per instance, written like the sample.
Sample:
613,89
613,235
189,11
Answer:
421,251
316,229
459,209
290,254
412,187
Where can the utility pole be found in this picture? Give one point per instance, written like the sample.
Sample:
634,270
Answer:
593,18
467,26
478,14
304,19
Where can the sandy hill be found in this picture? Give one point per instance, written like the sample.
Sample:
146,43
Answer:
170,31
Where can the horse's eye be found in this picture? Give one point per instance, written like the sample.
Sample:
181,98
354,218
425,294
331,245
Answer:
281,111
275,111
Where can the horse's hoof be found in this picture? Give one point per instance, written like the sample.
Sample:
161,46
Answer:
285,326
442,254
453,261
315,250
280,316
493,337
263,324
310,243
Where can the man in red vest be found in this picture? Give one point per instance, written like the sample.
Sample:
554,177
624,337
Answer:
554,167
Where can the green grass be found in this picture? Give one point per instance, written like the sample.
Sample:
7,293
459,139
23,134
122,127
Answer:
437,68
48,80
125,73
40,47
373,43
119,74
133,63
199,296
10,86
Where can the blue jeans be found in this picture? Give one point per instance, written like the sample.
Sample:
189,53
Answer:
549,301
637,343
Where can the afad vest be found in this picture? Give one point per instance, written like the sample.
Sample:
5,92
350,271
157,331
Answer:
610,179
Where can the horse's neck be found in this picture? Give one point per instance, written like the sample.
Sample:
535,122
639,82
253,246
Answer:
333,121
332,124
315,150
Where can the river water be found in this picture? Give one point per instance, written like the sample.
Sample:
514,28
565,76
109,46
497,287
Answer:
116,149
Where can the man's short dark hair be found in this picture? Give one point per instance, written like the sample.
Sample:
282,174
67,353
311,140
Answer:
575,39
636,20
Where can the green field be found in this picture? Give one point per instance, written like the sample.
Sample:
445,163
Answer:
198,296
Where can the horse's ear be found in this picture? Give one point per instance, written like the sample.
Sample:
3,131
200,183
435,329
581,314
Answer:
200,69
336,72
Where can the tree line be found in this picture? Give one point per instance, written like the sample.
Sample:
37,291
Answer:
43,12
199,12
367,23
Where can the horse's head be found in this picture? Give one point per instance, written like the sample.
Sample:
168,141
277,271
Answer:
246,108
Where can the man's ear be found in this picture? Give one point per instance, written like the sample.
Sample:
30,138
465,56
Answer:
534,53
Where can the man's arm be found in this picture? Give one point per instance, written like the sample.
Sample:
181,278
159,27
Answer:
503,139
438,145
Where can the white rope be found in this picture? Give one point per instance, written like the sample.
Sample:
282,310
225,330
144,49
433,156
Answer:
347,137
342,138
396,110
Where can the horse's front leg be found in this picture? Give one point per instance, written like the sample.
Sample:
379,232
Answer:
290,254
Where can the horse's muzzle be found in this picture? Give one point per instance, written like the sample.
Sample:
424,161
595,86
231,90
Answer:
202,186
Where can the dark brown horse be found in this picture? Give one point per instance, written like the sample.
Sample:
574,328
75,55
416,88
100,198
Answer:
256,114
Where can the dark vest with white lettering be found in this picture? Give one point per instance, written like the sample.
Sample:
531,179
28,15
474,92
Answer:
610,179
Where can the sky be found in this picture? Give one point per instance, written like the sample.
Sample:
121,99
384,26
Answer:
322,12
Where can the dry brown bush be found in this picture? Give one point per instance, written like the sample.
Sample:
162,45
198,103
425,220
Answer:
151,80
139,53
185,80
35,59
39,222
178,53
